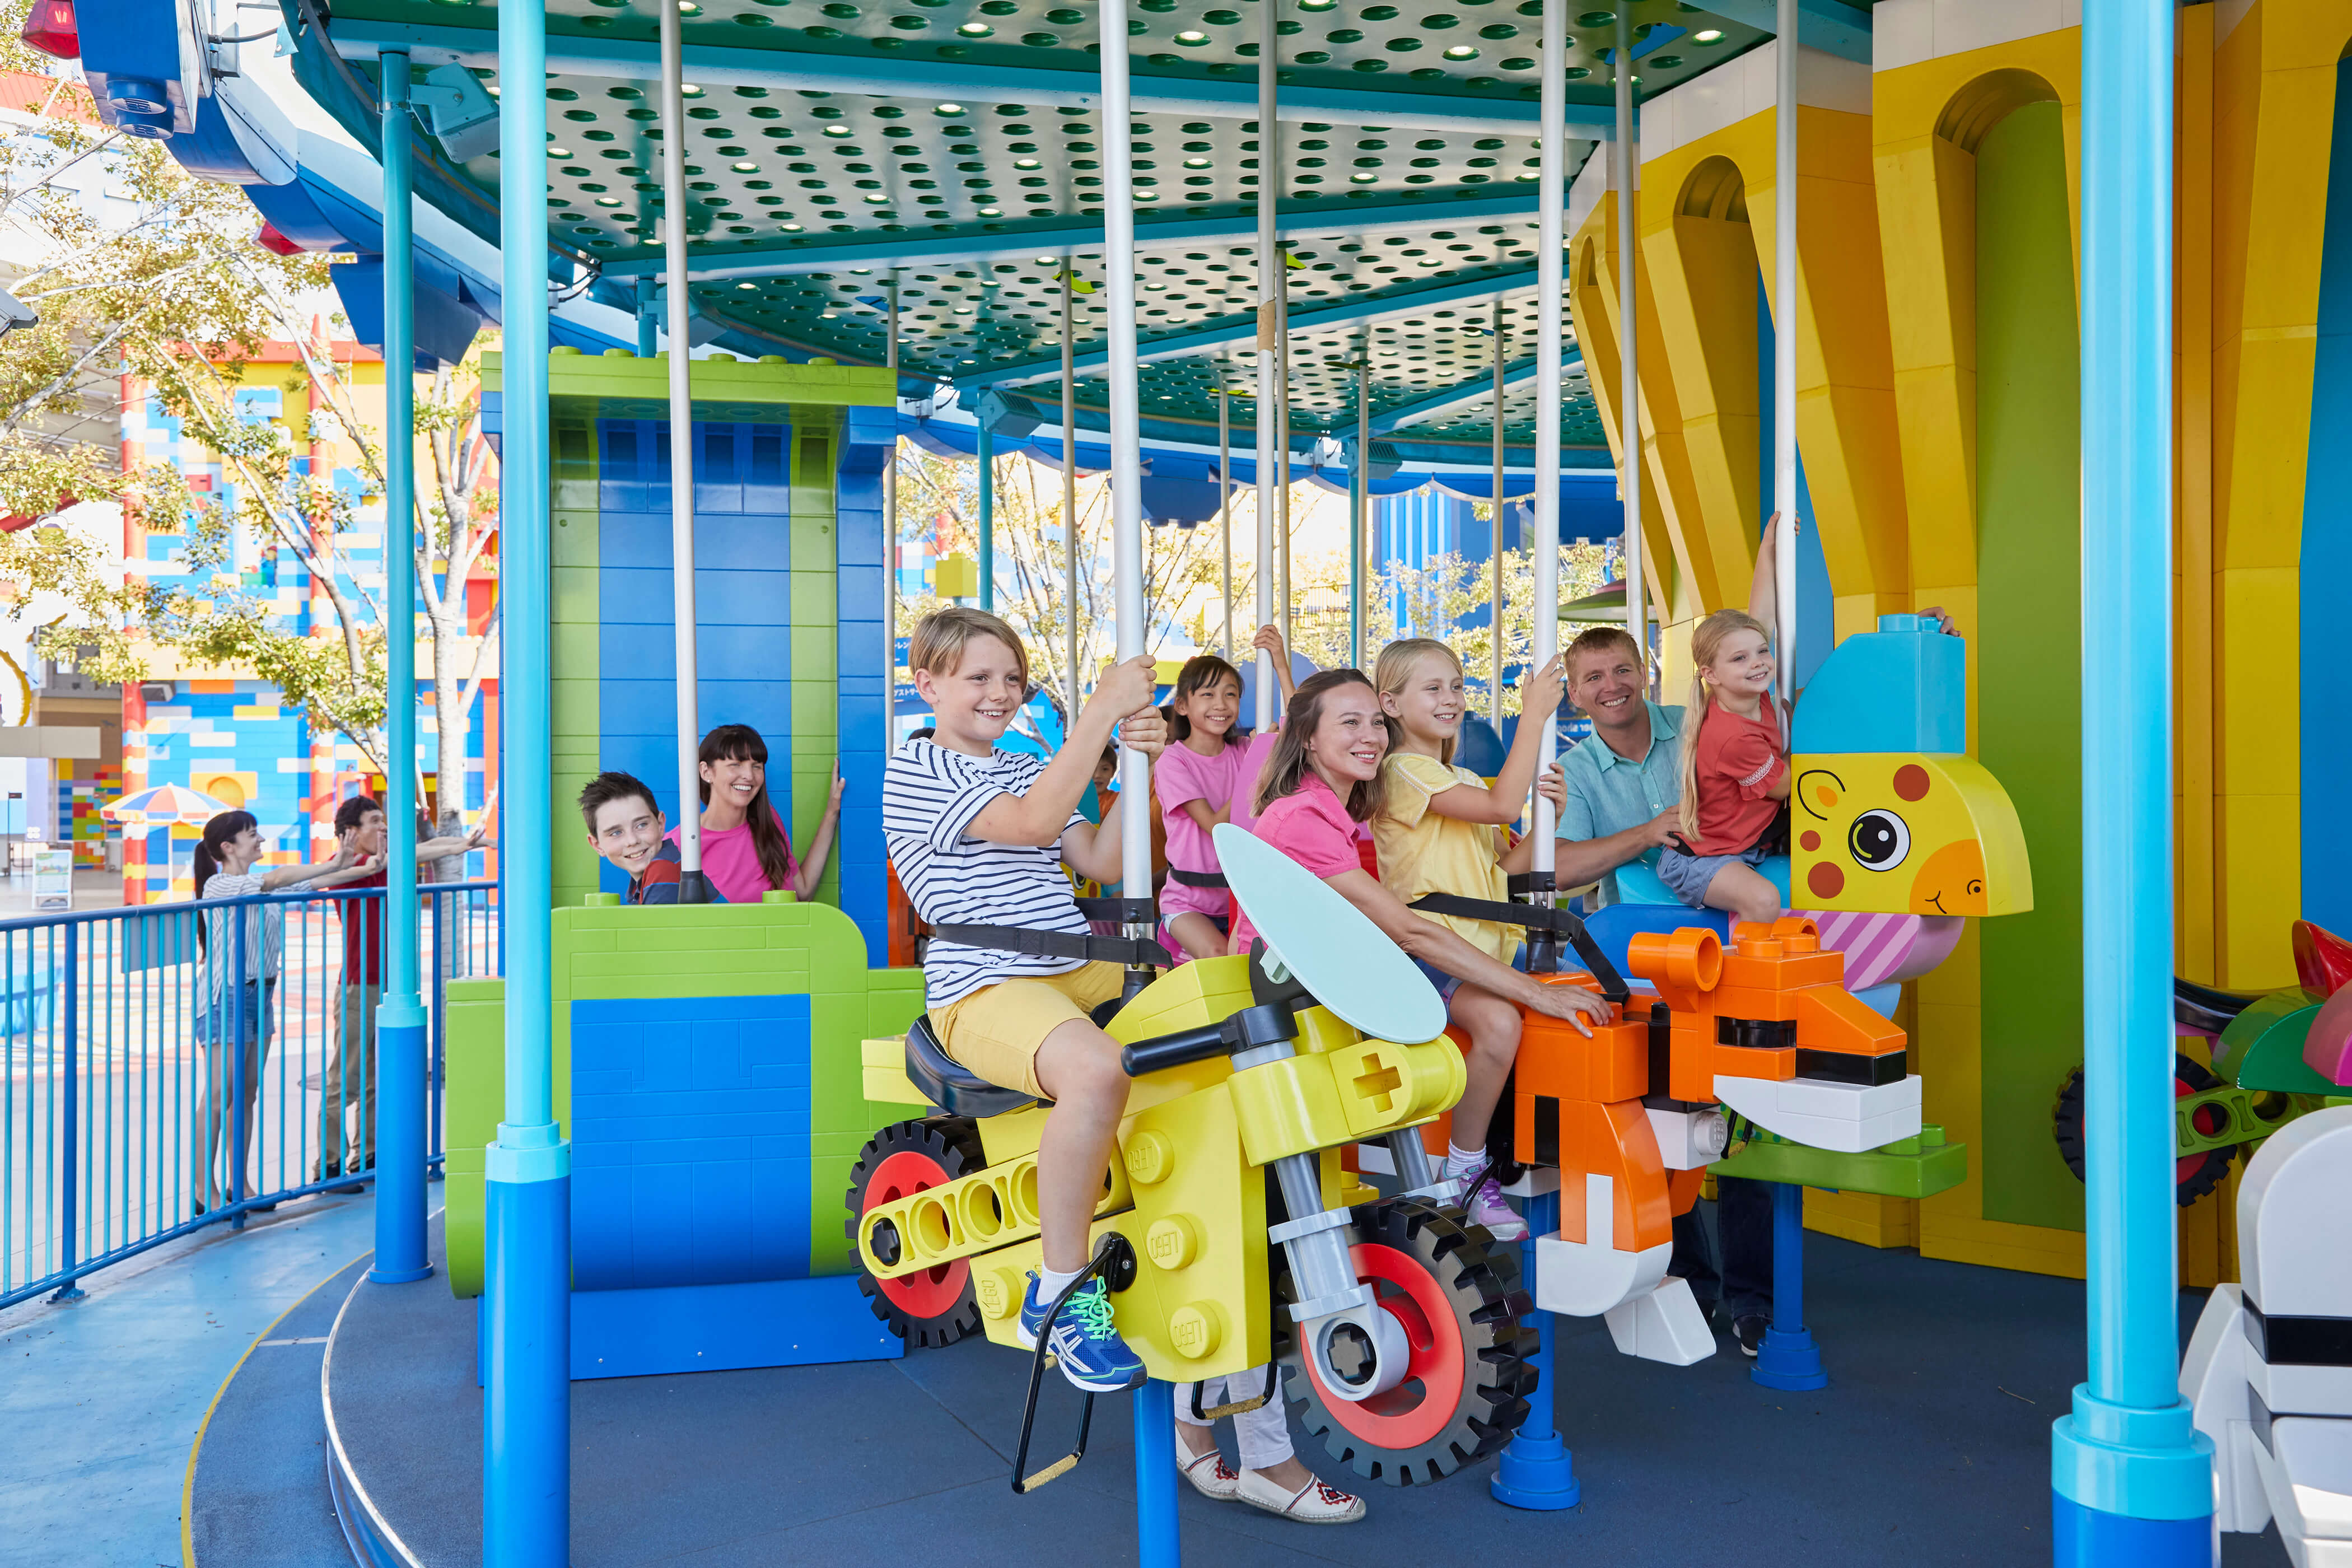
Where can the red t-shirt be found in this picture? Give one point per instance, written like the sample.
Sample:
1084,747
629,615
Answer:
364,934
1312,827
1738,762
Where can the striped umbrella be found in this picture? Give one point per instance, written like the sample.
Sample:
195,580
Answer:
163,807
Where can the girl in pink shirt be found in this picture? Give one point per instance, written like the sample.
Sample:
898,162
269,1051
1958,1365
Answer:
745,849
1195,781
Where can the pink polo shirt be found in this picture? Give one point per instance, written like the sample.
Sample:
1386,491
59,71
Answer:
1313,827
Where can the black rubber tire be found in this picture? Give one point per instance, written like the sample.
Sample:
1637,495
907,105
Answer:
2193,1176
952,1143
1479,1281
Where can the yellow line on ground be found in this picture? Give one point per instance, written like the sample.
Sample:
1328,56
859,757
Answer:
188,1487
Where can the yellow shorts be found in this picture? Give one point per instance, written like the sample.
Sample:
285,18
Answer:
995,1031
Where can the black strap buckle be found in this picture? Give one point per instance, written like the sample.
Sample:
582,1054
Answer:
1114,1262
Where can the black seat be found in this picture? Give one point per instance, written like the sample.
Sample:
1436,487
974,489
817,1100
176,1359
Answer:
950,1085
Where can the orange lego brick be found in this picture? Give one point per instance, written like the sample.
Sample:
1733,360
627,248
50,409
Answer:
1738,1061
1682,1190
1831,1019
1554,1059
1753,1002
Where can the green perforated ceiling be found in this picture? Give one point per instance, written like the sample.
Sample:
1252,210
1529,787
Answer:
777,167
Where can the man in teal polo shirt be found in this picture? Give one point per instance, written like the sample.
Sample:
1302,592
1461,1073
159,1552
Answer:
1624,800
1625,781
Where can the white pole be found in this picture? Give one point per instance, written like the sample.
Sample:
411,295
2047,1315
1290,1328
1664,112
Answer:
1070,487
1269,336
1551,152
1225,498
1495,562
681,462
1784,339
890,533
1629,370
1126,444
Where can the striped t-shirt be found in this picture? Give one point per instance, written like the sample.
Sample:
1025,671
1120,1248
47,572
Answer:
929,796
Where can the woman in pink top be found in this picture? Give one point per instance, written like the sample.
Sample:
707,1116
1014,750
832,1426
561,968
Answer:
745,849
1322,784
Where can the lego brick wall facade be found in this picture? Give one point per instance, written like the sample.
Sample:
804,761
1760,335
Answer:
217,731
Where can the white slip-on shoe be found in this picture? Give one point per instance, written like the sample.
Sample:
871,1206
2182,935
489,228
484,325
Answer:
1209,1475
1317,1502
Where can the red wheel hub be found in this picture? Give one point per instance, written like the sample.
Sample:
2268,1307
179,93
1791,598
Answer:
1416,1410
932,1292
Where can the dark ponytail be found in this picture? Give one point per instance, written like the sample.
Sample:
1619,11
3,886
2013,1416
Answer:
741,744
217,832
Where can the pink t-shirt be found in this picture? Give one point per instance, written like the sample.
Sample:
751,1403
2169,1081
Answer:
1313,827
1183,775
1255,753
732,861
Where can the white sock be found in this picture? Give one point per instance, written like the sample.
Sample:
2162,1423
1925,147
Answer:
1462,1162
1052,1282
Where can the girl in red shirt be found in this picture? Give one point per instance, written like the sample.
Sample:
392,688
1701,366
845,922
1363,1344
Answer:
1735,764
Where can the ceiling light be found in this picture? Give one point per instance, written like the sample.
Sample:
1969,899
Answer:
1026,163
689,90
1707,36
1196,163
749,288
947,110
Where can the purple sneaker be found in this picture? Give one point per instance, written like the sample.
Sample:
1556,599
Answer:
1486,1206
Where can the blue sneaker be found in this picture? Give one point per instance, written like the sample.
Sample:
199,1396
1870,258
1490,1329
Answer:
1088,1347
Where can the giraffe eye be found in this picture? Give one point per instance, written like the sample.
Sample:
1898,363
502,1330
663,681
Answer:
1878,841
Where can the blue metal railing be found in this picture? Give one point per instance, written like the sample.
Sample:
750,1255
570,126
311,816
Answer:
145,1094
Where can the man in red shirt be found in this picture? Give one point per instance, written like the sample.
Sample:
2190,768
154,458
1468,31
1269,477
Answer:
350,1076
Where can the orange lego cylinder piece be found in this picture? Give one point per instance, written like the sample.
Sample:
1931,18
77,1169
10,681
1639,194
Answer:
1682,965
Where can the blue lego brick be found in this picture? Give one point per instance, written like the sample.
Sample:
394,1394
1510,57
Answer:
1902,688
724,650
861,592
859,528
861,719
690,1141
868,437
719,469
741,598
722,1328
767,474
857,646
649,706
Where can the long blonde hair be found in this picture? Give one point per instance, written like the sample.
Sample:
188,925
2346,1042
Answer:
1394,669
1706,641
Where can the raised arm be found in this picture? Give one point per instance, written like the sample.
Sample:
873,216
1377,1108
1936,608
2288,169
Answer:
820,844
1269,638
1509,797
1039,817
1764,590
1436,945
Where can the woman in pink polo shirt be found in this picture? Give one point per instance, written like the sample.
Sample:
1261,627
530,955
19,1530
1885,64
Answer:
1321,784
745,850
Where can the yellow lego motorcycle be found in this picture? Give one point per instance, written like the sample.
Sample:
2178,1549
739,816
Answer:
1228,1233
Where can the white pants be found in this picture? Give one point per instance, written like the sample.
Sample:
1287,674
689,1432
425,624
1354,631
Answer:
1263,1434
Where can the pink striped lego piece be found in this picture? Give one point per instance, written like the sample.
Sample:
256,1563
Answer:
1880,949
2327,1048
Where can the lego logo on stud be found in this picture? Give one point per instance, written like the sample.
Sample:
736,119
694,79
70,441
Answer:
1150,1157
998,1291
1172,1242
1193,1330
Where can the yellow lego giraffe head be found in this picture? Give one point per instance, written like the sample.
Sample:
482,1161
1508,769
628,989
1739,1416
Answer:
1888,814
1906,833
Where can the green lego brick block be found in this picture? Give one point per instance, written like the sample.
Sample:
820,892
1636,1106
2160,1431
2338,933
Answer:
813,599
573,596
815,653
573,537
473,1098
1907,1168
622,386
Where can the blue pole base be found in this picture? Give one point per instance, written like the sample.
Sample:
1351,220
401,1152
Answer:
2091,1538
1537,1473
1787,1359
400,1145
527,1403
1158,1542
69,1291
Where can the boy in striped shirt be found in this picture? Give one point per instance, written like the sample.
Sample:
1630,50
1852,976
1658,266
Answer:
979,836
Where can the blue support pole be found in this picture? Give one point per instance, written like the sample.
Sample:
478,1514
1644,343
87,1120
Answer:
2131,1480
1158,1542
1536,1470
985,449
397,1142
233,1189
645,322
527,1398
69,1161
1788,1358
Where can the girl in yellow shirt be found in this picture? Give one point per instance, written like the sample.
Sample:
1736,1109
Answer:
1440,832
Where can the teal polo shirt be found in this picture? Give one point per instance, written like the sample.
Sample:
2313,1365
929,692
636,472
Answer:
1607,794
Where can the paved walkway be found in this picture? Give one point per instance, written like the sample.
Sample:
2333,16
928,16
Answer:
102,1397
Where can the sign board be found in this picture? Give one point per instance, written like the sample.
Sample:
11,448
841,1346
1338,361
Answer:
52,877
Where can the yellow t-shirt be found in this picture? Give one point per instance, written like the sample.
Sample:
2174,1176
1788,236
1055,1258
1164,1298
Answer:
1424,852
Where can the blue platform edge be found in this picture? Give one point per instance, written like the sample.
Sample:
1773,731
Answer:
719,1328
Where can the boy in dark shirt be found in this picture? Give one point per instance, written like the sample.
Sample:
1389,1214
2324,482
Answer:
625,828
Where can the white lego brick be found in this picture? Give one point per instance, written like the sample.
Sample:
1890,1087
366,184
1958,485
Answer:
2300,1390
2317,1459
1845,1117
1534,1182
1689,1140
2291,1195
1586,1279
2213,1381
1662,1325
1374,1159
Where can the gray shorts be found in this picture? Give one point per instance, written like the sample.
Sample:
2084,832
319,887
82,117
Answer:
1688,875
